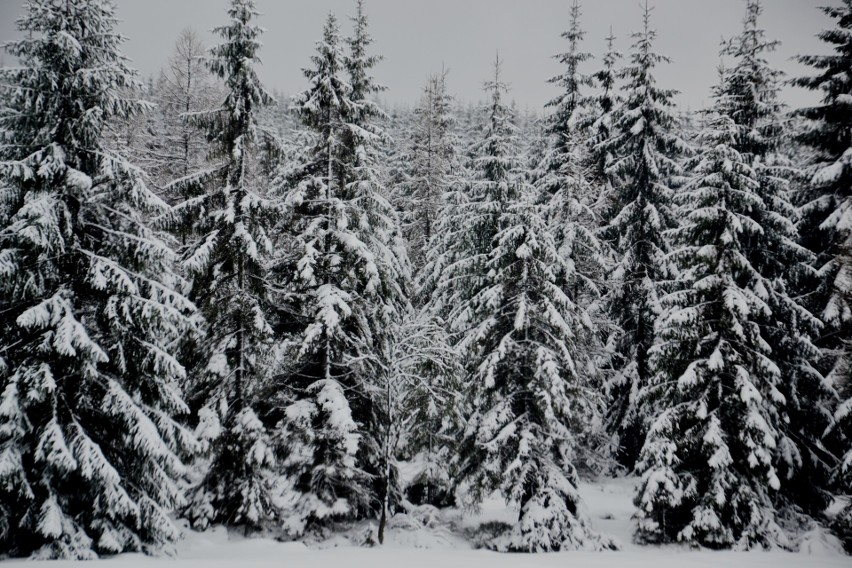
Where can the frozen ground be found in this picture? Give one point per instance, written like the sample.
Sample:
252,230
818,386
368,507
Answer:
608,505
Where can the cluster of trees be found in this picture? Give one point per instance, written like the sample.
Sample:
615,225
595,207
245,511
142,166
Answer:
252,310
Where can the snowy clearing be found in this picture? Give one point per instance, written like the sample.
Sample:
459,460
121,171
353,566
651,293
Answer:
404,549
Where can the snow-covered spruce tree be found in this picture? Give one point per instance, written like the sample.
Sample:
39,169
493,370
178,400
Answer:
827,200
645,149
561,183
519,338
568,106
227,248
89,385
749,96
708,465
467,223
342,292
429,169
825,224
599,121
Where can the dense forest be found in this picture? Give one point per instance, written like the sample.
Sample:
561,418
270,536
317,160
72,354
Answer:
291,315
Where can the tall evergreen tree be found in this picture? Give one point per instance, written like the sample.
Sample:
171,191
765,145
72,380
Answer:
826,199
707,465
737,345
226,254
825,226
749,96
519,336
467,223
430,167
568,107
645,147
343,290
90,385
599,123
563,187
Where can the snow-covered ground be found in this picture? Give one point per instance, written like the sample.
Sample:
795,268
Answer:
608,504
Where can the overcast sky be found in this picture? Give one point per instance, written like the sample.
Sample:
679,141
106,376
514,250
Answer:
417,37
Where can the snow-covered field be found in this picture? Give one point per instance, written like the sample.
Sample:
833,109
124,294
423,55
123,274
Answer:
608,505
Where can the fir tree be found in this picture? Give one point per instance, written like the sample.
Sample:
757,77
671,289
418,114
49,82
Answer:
742,408
707,466
430,167
519,342
343,290
561,181
825,229
571,103
600,120
228,220
645,147
826,199
468,219
749,96
89,446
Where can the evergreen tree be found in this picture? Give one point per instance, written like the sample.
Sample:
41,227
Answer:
343,289
743,409
467,224
749,96
89,446
562,184
566,117
600,120
826,199
707,467
430,167
825,229
645,147
519,343
228,220
358,64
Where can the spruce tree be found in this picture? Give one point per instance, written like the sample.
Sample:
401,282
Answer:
826,199
467,224
519,337
429,171
742,407
824,228
645,149
749,96
599,122
89,382
343,281
568,107
562,184
707,464
227,221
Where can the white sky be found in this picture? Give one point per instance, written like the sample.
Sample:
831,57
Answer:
419,36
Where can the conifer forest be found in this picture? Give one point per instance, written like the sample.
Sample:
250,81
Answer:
320,320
